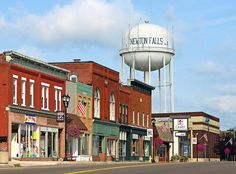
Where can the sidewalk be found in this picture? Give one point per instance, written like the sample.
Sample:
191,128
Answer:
16,163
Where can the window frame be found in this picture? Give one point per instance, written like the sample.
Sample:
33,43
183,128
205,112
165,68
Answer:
31,93
14,97
23,91
112,107
97,100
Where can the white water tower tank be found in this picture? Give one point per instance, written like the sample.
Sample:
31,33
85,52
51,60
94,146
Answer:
147,41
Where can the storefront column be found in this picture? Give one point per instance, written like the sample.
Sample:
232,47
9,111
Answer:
19,139
46,144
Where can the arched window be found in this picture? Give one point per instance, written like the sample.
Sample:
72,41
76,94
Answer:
97,103
112,107
73,78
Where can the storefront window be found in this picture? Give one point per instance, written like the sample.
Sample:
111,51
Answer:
111,146
85,144
146,149
95,145
184,146
122,148
135,147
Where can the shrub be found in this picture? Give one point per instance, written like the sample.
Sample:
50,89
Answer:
175,157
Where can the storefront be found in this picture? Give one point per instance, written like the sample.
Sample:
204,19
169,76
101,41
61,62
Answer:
138,144
162,147
78,139
105,141
34,136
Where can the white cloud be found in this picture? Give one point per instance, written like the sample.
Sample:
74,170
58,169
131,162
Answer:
82,21
216,70
30,51
223,104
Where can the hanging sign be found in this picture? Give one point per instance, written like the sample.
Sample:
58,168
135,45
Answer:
150,132
181,124
30,119
60,116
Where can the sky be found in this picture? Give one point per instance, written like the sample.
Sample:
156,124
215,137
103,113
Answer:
92,30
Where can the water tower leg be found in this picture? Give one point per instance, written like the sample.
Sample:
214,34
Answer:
149,69
146,77
159,89
164,81
133,67
147,74
171,86
123,70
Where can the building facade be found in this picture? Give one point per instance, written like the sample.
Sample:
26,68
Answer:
195,134
80,113
121,114
30,97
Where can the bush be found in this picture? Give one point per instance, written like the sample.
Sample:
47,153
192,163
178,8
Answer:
183,159
175,157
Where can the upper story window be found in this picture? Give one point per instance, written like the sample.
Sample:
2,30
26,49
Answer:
23,89
126,114
147,120
138,118
45,96
143,120
97,103
74,78
15,78
112,107
133,118
57,101
31,93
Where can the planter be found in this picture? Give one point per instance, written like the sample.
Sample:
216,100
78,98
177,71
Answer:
4,157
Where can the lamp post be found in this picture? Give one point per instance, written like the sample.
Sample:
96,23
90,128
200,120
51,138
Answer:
197,145
66,100
207,120
153,143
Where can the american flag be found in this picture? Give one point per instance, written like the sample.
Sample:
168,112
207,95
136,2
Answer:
81,108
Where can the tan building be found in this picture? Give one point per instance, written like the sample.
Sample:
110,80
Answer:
195,134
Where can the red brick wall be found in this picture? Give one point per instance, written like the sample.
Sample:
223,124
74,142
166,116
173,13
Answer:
4,100
95,74
141,102
38,77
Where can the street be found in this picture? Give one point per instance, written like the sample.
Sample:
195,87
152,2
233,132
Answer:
138,168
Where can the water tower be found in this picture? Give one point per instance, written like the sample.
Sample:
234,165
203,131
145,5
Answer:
147,48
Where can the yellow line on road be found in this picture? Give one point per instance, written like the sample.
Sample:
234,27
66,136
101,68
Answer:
110,168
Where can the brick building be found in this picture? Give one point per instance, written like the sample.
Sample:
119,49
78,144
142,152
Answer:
30,95
121,114
195,134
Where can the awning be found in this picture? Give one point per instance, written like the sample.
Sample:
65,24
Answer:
165,134
75,120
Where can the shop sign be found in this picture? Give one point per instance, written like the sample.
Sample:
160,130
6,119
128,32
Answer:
149,132
60,116
194,140
181,124
49,129
30,119
180,134
135,136
147,138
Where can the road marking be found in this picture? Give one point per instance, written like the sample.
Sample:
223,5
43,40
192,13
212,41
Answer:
110,168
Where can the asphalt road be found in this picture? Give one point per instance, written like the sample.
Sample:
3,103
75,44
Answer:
140,168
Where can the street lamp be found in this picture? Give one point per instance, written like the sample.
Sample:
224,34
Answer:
207,120
153,143
66,100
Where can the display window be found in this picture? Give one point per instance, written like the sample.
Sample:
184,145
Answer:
30,141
